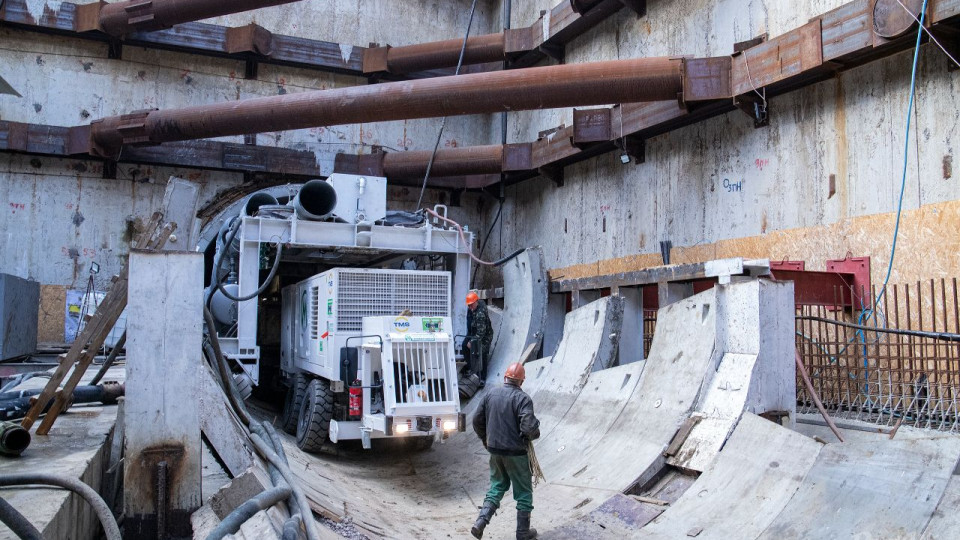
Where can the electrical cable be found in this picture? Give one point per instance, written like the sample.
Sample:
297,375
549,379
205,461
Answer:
943,336
100,507
483,246
903,180
463,238
443,123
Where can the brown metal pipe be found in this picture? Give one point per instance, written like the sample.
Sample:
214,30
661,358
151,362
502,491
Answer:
440,54
121,18
466,161
570,85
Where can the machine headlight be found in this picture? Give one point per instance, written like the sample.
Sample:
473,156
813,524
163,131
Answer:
449,425
401,428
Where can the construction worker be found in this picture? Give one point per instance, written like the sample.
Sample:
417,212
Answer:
480,335
505,423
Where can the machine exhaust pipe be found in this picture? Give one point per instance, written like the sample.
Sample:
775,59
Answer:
255,201
316,200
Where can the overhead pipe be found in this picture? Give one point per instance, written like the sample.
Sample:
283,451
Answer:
121,18
569,85
437,54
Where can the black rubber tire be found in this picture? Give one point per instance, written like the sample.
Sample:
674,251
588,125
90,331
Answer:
293,402
313,426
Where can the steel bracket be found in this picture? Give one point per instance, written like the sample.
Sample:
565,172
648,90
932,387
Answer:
859,267
754,107
87,17
553,173
633,146
553,50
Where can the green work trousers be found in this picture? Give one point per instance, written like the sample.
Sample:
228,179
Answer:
505,470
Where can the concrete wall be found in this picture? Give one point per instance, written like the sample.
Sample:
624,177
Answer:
58,216
851,127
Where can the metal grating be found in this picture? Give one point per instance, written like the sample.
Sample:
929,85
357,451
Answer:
314,320
420,372
365,294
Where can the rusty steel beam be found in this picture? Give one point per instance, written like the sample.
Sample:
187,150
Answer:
616,81
122,18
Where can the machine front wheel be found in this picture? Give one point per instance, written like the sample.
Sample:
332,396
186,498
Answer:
293,402
316,411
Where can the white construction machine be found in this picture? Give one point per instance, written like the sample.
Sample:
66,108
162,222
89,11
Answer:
365,344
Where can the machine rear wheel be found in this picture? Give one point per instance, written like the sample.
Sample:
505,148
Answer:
313,426
293,402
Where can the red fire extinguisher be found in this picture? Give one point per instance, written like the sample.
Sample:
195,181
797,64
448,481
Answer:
355,408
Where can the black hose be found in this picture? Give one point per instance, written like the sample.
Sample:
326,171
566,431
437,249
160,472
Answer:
20,526
291,528
247,510
110,528
944,336
506,259
264,450
219,262
486,238
110,359
261,431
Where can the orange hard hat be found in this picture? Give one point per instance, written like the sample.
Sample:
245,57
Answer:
472,298
516,372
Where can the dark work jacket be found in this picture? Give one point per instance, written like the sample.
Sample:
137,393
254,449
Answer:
504,421
478,324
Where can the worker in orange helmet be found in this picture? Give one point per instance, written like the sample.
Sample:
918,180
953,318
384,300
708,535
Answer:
505,423
480,336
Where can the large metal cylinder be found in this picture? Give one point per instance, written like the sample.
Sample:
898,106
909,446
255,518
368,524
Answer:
256,200
438,54
121,18
570,85
448,162
316,200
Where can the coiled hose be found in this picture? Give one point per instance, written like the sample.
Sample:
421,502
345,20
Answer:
110,528
245,511
260,433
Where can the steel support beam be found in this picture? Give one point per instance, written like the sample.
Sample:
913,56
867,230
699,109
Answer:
122,18
596,83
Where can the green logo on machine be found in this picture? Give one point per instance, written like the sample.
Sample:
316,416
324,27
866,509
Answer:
303,308
432,324
330,306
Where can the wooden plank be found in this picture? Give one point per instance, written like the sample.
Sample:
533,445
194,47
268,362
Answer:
220,427
164,332
105,317
681,435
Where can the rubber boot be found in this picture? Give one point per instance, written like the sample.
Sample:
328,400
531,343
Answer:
524,532
486,513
